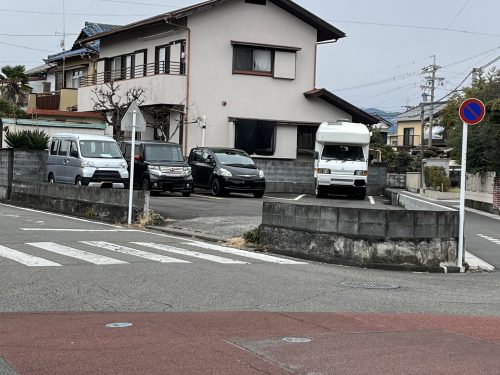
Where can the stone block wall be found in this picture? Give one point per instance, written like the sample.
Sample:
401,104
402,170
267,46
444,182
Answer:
496,194
287,176
377,179
361,236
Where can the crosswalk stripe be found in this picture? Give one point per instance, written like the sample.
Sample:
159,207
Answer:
134,252
75,253
242,253
176,250
27,260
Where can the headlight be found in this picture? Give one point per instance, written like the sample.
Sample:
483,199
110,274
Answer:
323,171
186,171
225,173
261,173
154,170
123,165
361,173
88,163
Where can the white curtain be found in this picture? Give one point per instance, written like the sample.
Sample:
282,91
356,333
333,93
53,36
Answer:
261,60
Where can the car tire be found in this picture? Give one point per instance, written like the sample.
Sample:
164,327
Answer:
51,179
78,181
362,195
319,192
216,188
258,194
186,193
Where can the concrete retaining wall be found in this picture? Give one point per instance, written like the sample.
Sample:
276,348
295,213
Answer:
109,205
360,236
410,202
481,194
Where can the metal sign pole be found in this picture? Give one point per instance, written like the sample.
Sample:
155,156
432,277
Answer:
132,162
462,196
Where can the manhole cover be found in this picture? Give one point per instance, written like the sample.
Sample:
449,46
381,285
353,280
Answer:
297,340
368,285
118,325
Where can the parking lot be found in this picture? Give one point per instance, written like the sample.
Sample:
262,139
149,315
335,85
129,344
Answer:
233,215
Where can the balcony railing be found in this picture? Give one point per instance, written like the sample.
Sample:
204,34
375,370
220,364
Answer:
138,71
48,101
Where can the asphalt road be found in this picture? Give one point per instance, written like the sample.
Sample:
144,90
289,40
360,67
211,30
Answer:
200,309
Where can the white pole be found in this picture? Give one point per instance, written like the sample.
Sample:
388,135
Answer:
462,196
203,129
132,162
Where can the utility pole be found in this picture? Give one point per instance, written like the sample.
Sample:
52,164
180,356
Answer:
430,84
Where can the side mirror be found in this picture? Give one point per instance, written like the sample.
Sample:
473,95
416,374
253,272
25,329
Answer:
316,155
137,158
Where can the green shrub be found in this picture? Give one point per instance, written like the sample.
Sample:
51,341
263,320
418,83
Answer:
436,178
252,236
28,139
9,110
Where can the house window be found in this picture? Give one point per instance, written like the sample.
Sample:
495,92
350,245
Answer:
252,60
306,136
255,136
121,67
408,137
162,65
76,76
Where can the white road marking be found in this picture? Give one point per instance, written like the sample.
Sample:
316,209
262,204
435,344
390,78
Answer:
372,201
27,260
59,215
475,262
75,230
243,253
175,250
133,252
492,239
299,197
75,253
207,196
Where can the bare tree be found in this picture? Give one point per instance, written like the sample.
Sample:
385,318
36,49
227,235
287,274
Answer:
112,105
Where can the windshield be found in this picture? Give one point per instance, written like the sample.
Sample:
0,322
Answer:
161,152
344,153
100,149
235,159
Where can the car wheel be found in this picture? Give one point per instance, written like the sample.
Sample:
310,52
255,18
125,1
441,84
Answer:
361,196
51,179
78,181
145,184
186,193
319,192
258,194
216,188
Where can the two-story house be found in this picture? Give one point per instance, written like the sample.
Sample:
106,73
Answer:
409,127
245,67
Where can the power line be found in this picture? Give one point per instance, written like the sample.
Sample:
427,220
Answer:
472,57
70,14
458,14
138,3
34,35
386,80
414,27
18,46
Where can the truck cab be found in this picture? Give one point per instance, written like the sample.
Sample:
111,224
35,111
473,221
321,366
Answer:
341,155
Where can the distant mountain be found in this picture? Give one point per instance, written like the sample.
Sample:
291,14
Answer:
389,116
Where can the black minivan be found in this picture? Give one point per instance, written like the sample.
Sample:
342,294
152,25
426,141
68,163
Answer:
159,166
225,170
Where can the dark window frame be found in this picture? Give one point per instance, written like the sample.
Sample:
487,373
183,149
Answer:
255,137
237,47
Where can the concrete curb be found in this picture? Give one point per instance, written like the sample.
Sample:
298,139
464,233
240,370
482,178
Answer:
188,233
412,268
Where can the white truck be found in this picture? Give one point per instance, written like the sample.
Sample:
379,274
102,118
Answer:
341,154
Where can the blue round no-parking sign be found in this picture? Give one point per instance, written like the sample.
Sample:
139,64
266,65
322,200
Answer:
472,111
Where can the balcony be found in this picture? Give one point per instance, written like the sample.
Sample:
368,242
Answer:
62,100
162,84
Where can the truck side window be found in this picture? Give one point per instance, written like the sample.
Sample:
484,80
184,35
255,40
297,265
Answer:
63,148
54,147
73,150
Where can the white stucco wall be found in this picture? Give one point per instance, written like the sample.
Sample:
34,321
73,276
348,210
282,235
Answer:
212,81
480,187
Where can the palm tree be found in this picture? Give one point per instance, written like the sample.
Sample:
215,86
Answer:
14,83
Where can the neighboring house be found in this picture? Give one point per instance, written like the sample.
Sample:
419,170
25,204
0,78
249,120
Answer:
248,67
55,84
383,127
52,121
409,127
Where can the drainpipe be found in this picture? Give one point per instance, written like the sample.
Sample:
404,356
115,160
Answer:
188,71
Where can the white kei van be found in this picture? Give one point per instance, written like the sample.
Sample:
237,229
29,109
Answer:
84,159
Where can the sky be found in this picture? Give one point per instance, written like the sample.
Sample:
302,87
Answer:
377,65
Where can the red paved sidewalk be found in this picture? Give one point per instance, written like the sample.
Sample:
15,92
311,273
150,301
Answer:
249,343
